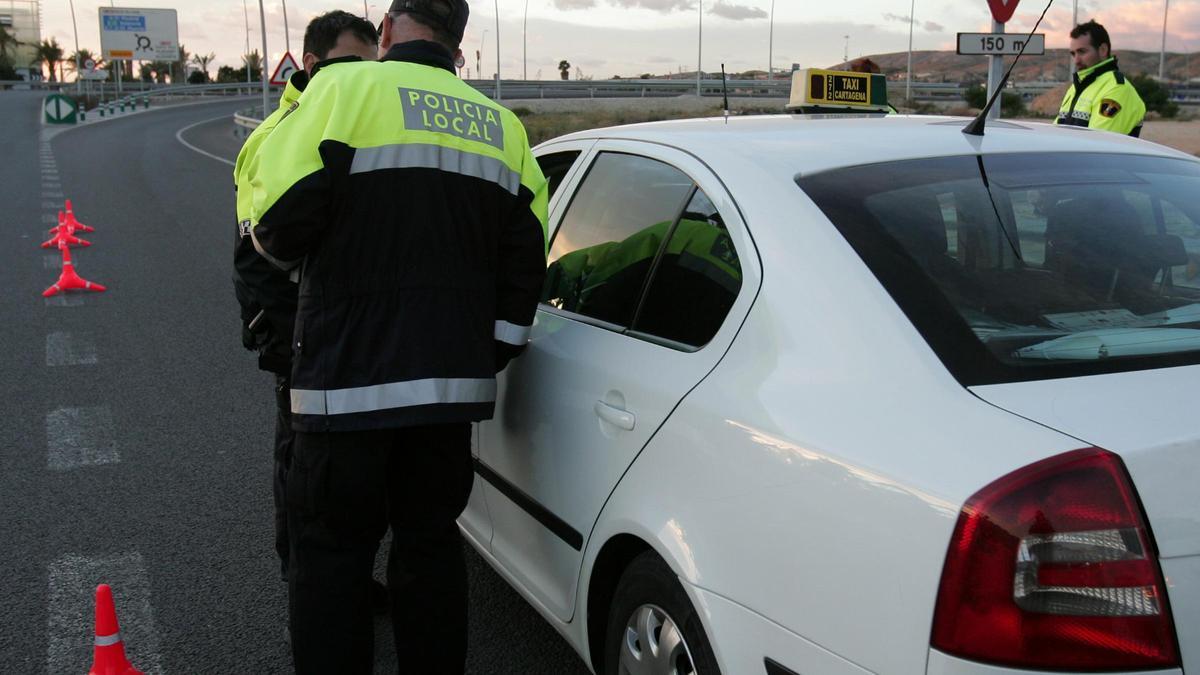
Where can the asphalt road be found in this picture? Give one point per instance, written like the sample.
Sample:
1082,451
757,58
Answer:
135,438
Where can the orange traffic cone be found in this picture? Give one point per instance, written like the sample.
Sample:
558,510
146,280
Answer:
65,232
69,280
108,657
71,219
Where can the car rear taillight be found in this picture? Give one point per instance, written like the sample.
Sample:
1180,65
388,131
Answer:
1052,567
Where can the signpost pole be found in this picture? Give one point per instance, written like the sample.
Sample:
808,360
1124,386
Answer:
995,72
262,20
287,39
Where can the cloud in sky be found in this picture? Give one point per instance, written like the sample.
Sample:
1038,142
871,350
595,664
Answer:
663,6
737,12
933,27
574,4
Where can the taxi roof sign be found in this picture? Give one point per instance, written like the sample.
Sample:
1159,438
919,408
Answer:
819,91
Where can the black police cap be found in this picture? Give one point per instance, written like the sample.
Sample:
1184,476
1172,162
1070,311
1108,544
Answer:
450,15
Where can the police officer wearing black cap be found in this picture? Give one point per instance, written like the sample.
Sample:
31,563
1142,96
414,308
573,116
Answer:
419,214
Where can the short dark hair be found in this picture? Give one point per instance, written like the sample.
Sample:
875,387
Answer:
1093,30
440,34
323,32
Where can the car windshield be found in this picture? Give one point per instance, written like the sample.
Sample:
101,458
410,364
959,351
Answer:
1028,266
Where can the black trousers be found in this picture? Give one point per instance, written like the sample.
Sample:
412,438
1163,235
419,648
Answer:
343,491
284,437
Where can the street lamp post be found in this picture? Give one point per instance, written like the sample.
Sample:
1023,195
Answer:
75,28
908,80
262,20
699,43
525,44
246,58
287,39
846,50
771,44
1162,56
497,5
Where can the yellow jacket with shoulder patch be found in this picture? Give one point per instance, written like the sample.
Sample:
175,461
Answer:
1101,97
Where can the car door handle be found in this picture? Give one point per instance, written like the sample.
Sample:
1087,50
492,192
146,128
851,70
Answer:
622,419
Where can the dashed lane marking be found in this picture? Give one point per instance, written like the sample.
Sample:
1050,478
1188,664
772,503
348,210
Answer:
67,349
80,437
72,600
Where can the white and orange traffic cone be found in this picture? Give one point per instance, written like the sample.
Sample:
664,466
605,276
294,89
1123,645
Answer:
68,280
71,219
108,657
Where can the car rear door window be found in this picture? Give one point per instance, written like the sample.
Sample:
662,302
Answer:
696,281
611,234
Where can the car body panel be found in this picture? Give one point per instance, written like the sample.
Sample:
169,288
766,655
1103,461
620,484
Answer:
569,462
1148,417
1183,589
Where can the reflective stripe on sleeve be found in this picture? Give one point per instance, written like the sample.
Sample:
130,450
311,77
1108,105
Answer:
281,264
108,640
425,156
393,395
511,333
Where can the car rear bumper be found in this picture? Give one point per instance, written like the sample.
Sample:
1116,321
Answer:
944,664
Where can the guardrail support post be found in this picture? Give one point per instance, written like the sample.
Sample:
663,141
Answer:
146,102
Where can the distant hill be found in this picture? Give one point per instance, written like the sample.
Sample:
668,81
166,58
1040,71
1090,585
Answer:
1053,66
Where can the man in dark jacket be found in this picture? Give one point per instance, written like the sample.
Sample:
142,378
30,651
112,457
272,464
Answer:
266,295
415,210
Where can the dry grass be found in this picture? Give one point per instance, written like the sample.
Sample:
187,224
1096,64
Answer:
547,125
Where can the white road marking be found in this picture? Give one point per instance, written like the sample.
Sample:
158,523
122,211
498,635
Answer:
70,622
50,218
51,206
189,146
52,262
65,349
79,437
52,194
64,300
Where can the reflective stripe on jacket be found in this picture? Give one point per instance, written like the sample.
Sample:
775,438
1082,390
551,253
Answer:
1101,97
419,213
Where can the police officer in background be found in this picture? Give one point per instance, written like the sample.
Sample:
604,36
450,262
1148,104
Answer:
418,213
266,295
1100,97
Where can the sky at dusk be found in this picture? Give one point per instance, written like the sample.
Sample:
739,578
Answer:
604,38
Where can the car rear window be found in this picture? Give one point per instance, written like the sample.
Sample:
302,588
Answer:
1032,266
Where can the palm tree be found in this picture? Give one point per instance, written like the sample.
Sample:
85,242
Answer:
7,41
253,61
179,68
203,60
564,68
50,53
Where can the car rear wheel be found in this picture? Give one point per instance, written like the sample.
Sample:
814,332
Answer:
653,628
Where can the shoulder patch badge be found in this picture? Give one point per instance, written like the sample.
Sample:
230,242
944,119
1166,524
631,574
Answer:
1109,107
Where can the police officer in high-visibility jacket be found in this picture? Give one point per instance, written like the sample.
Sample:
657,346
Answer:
417,214
1100,96
266,296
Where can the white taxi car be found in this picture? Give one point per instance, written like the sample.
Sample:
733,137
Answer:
833,396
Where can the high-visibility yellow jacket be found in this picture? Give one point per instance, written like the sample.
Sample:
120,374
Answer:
259,285
419,213
1101,97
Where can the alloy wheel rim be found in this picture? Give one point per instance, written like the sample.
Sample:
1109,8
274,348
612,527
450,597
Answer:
653,645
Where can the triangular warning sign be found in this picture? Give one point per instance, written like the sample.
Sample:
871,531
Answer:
287,66
1002,10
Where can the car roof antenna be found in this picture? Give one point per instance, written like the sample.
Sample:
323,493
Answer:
975,128
725,93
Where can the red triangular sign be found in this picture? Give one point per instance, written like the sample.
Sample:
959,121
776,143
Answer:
287,66
1002,10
